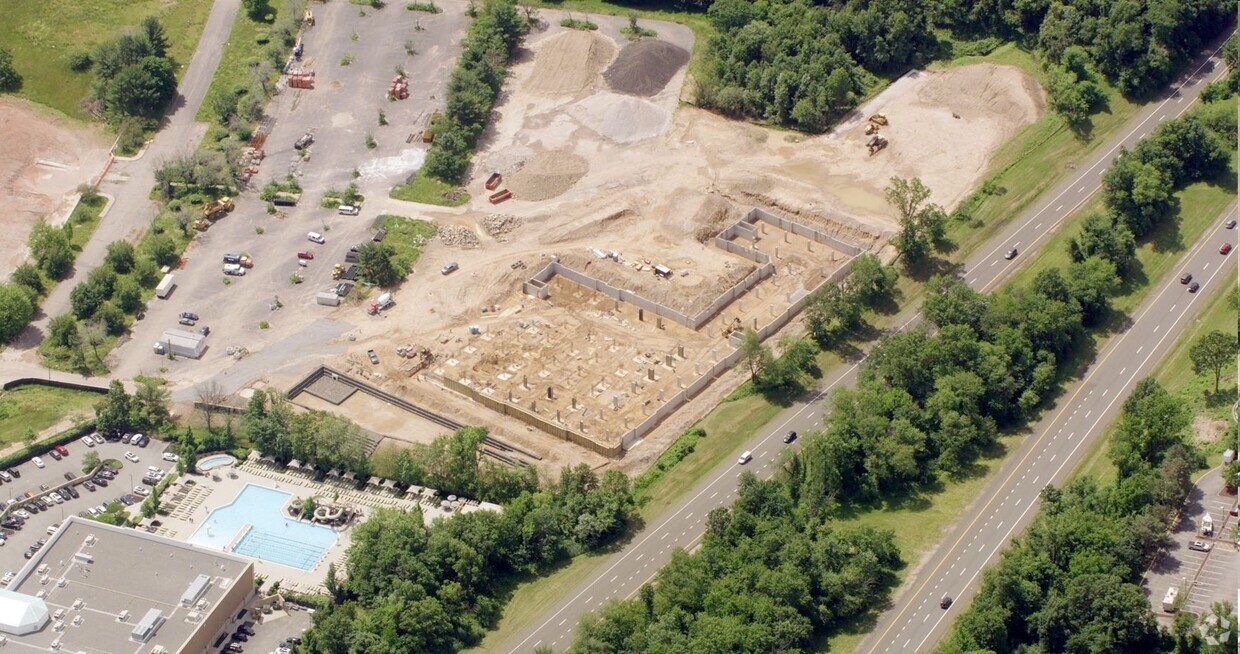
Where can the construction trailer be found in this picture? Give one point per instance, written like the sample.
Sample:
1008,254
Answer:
181,343
165,287
328,298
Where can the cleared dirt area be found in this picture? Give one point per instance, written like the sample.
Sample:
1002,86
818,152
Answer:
43,159
602,158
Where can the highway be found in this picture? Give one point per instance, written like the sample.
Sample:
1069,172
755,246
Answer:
683,524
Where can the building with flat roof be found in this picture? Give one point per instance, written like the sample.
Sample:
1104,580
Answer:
99,588
182,343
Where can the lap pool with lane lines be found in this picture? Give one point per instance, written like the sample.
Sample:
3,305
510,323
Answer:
271,536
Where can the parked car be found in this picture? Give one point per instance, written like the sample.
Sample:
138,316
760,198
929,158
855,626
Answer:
143,441
187,322
190,314
746,457
21,513
315,237
1199,545
305,254
55,455
130,456
102,481
38,462
8,577
125,439
52,529
374,358
69,476
169,456
6,476
349,210
61,449
449,269
72,492
88,486
88,441
14,471
141,491
125,499
204,330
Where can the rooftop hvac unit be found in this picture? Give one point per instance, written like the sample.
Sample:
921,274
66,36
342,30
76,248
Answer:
193,616
83,557
60,583
77,620
90,539
56,644
43,579
59,626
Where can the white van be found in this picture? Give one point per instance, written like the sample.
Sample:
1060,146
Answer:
234,269
316,237
349,210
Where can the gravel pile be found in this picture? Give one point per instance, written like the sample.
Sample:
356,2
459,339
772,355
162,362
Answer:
498,224
458,237
547,175
645,67
621,118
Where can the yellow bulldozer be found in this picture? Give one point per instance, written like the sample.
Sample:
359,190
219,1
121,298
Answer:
878,119
216,210
876,143
337,270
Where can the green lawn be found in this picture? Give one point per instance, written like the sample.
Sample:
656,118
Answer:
242,51
39,407
428,190
408,236
42,34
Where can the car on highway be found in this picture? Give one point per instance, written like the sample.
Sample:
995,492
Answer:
1192,288
38,462
1231,224
449,269
374,358
1225,249
1186,278
746,457
1199,545
131,457
945,603
1011,254
790,436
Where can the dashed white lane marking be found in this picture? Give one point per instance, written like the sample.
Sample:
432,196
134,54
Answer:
1059,207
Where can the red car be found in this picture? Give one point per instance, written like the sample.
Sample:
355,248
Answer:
1225,249
61,450
305,254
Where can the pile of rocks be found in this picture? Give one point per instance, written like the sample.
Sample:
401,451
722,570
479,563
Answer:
457,236
498,224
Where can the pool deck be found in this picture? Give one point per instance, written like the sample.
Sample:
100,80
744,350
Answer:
206,494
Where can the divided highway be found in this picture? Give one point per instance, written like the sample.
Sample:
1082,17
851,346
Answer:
684,523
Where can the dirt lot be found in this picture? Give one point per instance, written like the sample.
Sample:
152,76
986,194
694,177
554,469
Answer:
42,161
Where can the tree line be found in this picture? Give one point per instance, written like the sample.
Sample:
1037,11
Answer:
493,36
412,587
317,438
1073,583
803,64
452,464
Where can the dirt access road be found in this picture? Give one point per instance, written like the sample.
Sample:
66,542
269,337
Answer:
130,181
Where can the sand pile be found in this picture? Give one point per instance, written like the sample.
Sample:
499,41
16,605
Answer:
645,67
569,63
547,175
498,224
1005,94
621,118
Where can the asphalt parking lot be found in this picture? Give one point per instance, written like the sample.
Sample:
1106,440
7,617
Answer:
275,629
1205,577
11,555
340,112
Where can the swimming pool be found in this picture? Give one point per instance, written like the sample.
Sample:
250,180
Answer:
270,536
216,461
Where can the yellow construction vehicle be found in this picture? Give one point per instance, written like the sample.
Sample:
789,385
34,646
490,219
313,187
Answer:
337,271
200,224
309,18
870,128
878,119
216,210
876,143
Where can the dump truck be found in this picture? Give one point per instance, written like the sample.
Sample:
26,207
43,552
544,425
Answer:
876,143
217,209
382,302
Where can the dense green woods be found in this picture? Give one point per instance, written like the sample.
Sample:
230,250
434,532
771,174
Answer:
803,64
438,588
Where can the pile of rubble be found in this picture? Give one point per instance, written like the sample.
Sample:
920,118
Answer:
457,236
498,224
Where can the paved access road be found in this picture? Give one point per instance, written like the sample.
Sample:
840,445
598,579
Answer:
683,524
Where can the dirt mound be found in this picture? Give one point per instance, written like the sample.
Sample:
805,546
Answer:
621,118
645,67
547,175
1005,94
714,215
568,63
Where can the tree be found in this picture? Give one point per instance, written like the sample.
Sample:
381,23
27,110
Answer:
50,248
378,261
90,461
26,275
1102,235
62,331
164,250
1097,613
1212,352
113,414
112,318
870,281
150,405
831,314
94,334
255,9
120,256
127,296
1150,423
921,225
754,354
87,297
142,89
16,309
210,395
153,32
10,79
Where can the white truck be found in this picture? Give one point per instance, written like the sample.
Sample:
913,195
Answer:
382,302
234,269
165,287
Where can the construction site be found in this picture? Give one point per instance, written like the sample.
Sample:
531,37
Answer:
598,315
